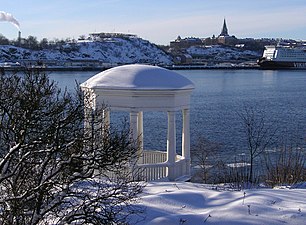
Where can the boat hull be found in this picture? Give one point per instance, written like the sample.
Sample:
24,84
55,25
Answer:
281,65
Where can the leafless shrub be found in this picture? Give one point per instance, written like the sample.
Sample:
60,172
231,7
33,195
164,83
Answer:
286,166
204,155
259,133
56,163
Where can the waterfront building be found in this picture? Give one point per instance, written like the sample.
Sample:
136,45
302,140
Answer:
224,38
102,36
183,43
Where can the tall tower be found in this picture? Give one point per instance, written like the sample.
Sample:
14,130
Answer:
19,37
224,31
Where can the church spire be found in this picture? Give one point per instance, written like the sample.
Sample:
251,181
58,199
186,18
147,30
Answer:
224,31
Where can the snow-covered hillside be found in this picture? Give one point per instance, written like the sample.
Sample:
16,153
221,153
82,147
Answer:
117,50
222,53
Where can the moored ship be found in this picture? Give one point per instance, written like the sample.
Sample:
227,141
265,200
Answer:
280,57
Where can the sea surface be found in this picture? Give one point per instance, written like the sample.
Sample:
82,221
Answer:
219,96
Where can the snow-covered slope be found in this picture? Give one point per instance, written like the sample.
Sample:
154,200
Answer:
222,53
192,204
110,50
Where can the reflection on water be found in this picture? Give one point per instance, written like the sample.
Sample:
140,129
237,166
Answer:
268,77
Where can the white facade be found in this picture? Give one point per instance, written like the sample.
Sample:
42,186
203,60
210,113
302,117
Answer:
141,88
284,54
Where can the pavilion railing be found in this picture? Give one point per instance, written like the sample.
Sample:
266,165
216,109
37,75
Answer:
149,157
154,166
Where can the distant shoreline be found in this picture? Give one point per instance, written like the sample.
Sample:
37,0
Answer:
170,67
202,67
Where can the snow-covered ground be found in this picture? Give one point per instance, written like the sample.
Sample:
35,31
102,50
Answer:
169,203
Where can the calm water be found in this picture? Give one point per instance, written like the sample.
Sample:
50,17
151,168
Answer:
218,96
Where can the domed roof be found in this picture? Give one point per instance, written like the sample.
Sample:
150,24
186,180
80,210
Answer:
138,77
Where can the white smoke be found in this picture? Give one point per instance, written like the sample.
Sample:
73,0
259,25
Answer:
9,18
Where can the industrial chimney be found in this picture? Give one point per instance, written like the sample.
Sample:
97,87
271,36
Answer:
19,38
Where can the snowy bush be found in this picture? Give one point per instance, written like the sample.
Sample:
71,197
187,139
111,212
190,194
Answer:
52,168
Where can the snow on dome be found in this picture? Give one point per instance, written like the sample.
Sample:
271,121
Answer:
139,77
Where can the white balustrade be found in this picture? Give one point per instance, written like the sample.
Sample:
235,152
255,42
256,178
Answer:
149,157
155,166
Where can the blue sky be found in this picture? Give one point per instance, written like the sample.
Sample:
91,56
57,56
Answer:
158,21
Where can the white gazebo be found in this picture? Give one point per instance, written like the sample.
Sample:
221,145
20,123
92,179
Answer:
141,88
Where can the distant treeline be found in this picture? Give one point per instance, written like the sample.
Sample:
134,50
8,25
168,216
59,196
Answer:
31,42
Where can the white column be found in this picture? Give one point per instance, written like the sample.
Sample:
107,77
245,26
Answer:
106,119
140,136
134,136
133,125
105,123
186,134
186,140
171,145
140,129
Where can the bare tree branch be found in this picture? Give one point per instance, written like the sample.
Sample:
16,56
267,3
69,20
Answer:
54,168
259,132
